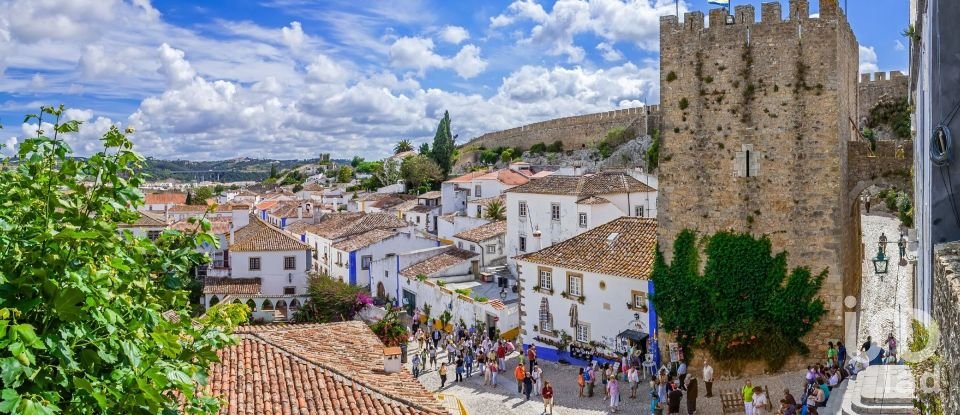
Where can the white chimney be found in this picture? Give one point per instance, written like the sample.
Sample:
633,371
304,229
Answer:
536,236
300,212
391,359
239,216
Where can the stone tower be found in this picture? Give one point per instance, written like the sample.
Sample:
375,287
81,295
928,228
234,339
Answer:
757,117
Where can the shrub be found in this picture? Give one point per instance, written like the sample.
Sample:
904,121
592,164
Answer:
538,148
331,300
684,103
555,147
671,76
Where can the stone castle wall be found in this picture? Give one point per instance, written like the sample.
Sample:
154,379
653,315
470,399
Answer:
785,90
946,313
893,84
574,131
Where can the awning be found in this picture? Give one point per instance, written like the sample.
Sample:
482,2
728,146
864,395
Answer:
633,335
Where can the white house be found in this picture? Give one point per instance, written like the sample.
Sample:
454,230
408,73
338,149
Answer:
159,202
333,228
451,224
454,192
477,208
555,208
424,214
268,272
149,225
357,252
594,287
460,191
487,240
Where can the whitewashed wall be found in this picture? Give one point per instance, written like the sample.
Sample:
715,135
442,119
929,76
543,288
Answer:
271,271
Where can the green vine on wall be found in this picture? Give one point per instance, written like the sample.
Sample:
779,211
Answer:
894,114
745,305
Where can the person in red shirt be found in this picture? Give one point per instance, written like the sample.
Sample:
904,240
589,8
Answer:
501,356
532,356
547,393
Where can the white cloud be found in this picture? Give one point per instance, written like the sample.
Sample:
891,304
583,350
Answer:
609,53
898,45
293,36
325,70
454,34
468,63
417,53
174,67
37,81
868,60
636,22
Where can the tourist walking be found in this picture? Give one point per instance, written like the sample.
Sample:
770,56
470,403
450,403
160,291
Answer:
759,401
547,394
655,407
501,356
747,392
537,376
682,373
459,370
591,379
581,382
633,376
487,374
492,368
532,356
443,374
693,391
841,354
433,358
436,338
891,345
468,363
519,373
673,400
613,391
831,354
415,363
451,352
708,378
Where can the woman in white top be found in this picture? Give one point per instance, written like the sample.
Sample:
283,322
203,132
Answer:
759,401
537,376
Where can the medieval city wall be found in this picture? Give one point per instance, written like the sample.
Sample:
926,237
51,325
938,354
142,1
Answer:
784,89
574,131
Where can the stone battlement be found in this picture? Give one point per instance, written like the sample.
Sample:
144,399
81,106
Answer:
882,76
770,13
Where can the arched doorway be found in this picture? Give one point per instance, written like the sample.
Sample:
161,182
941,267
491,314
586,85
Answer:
252,304
267,305
381,291
294,305
282,308
214,301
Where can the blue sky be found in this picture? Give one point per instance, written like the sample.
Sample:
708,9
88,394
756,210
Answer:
294,78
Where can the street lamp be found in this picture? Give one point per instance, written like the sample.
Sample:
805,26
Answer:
503,293
880,262
636,316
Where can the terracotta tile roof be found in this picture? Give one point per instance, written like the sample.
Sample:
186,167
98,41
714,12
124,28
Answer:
430,195
298,228
467,178
592,200
484,201
497,304
165,198
287,209
260,236
218,225
506,176
407,205
448,258
322,369
267,204
313,187
227,285
541,174
146,220
630,254
483,232
363,240
188,208
334,226
583,186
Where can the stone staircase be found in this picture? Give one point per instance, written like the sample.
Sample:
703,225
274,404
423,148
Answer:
881,389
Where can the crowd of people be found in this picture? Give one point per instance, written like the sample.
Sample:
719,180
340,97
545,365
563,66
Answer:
471,353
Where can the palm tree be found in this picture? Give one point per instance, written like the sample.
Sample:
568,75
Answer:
403,145
496,210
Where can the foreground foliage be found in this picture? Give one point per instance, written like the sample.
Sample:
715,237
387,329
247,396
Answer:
744,305
82,329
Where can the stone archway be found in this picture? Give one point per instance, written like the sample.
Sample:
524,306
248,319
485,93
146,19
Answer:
214,301
252,304
282,307
267,305
381,291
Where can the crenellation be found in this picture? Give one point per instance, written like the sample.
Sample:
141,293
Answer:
718,18
693,21
829,8
879,75
771,13
864,77
799,9
668,23
745,14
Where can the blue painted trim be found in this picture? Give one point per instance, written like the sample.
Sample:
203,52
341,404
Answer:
263,214
283,223
397,275
303,237
352,267
552,355
652,323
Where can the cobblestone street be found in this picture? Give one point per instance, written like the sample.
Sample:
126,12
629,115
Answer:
504,399
886,299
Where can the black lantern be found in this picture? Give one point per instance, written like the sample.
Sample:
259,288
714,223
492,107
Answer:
880,262
636,316
503,294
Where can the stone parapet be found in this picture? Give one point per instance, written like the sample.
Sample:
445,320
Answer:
946,313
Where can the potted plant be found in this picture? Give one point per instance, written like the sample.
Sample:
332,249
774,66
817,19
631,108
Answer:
392,332
445,321
582,299
563,343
